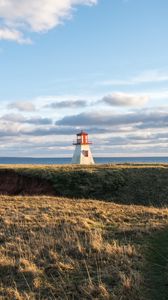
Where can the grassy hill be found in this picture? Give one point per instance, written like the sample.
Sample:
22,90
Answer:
127,184
57,248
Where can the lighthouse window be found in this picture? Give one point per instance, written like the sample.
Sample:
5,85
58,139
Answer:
85,153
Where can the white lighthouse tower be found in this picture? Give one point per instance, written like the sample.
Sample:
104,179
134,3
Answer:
82,154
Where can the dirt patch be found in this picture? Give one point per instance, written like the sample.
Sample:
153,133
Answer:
12,183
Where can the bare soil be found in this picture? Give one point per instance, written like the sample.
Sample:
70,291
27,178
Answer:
12,183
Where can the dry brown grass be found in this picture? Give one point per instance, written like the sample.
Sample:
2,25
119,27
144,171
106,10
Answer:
70,167
56,248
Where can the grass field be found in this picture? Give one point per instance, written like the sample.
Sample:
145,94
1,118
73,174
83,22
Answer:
58,248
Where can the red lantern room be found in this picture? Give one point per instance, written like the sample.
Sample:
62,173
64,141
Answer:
82,139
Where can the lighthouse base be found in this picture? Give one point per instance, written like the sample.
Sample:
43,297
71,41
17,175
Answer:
82,155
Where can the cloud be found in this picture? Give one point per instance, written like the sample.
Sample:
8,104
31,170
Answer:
121,99
132,133
18,118
113,131
62,130
13,35
22,106
67,104
14,129
34,15
52,130
14,118
39,121
149,76
140,119
114,99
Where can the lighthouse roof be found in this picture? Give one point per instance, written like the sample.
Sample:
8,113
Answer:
82,133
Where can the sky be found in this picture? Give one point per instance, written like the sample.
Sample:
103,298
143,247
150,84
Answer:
94,65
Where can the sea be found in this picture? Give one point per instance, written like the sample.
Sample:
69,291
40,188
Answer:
67,160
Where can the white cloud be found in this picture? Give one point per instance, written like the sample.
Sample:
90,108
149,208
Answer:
12,118
18,118
13,35
67,103
149,76
113,132
122,99
34,15
22,106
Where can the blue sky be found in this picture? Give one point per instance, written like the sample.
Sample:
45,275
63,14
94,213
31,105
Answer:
98,65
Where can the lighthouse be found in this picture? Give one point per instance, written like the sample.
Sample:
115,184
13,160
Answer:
82,154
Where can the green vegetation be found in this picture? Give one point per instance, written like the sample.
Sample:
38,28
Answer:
156,268
127,184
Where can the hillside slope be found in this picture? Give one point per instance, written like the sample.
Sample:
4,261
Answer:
144,185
